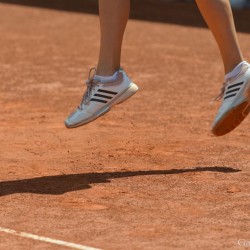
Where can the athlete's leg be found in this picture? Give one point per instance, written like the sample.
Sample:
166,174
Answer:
235,94
113,19
101,96
219,18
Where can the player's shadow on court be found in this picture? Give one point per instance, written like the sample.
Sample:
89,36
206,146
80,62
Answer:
60,184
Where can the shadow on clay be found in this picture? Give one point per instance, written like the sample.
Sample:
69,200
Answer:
60,184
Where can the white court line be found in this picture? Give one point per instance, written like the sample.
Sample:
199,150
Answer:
47,240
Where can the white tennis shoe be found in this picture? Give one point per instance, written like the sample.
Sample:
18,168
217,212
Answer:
99,98
235,105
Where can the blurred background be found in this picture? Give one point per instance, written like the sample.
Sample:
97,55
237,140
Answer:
237,4
183,12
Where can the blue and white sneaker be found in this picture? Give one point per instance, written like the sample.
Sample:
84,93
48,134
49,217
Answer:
235,104
99,98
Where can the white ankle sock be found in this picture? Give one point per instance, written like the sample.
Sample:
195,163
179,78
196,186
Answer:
105,79
235,71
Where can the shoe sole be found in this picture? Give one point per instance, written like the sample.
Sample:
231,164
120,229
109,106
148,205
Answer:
234,117
126,94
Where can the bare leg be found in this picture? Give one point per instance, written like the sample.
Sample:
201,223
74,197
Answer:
219,18
113,20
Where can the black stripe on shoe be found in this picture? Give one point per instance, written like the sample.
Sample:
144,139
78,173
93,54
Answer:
107,92
229,96
231,91
235,85
97,100
103,96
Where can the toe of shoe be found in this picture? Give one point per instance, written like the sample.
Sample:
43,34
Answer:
77,118
67,123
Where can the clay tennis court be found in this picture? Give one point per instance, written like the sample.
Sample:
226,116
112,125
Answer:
149,174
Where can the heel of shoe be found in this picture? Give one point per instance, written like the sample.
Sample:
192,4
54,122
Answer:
127,94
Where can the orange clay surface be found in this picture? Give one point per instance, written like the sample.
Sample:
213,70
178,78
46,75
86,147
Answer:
147,175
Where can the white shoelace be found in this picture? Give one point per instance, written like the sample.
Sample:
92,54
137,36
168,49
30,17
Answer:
91,83
222,91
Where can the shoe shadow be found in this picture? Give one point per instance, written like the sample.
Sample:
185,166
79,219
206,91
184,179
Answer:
61,184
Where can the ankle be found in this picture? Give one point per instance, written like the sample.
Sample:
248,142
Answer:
231,62
106,70
106,79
